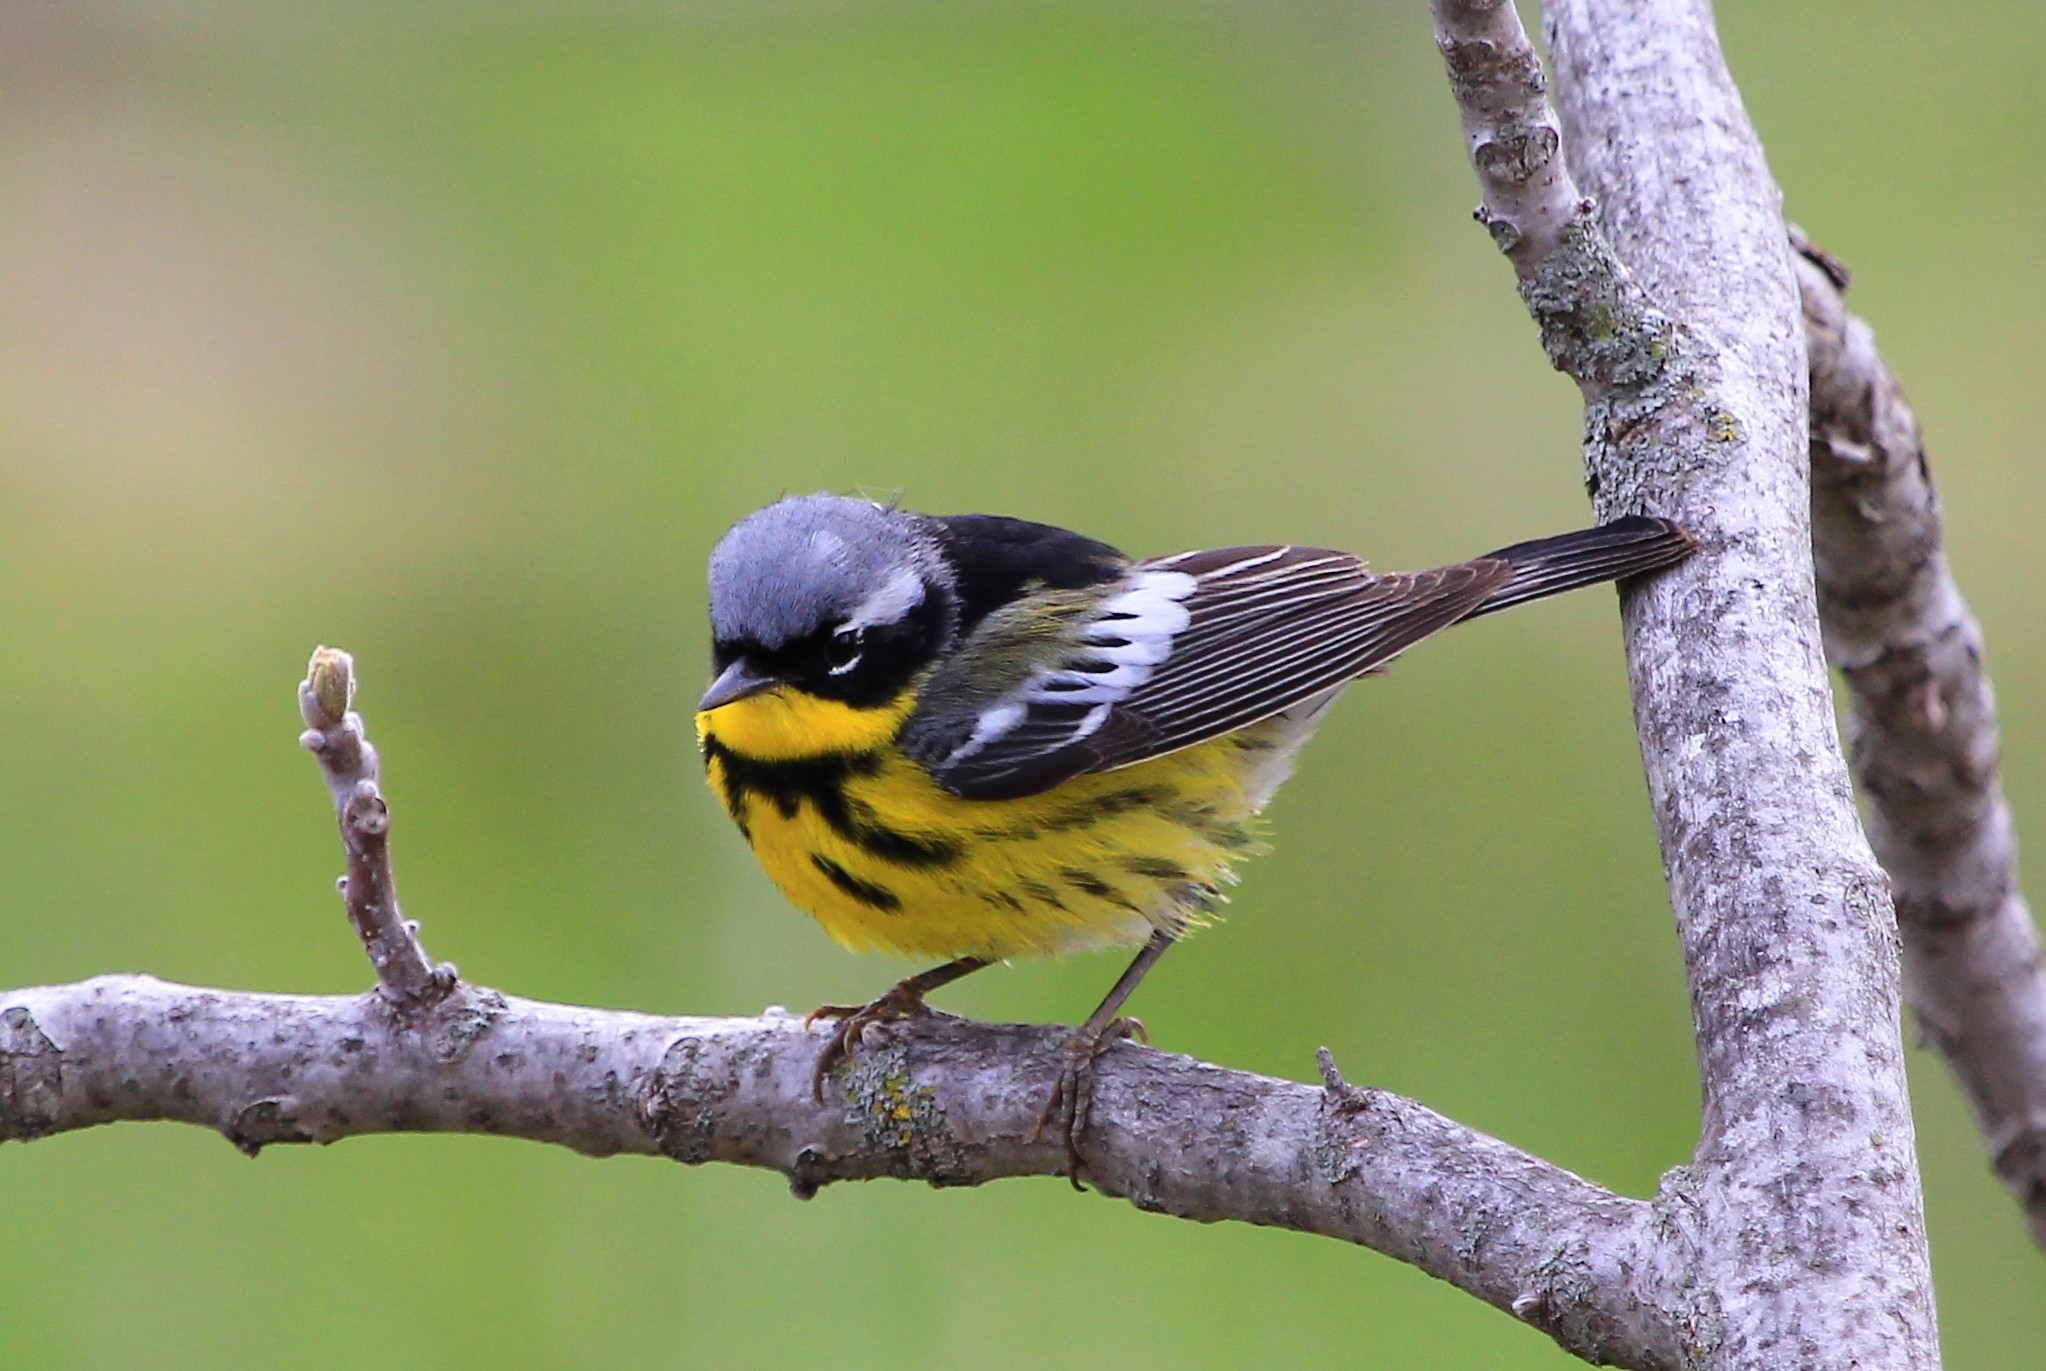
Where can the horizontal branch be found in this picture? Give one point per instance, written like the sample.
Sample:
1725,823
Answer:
941,1100
1923,737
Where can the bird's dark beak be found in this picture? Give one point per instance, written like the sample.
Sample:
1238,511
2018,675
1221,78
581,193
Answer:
736,682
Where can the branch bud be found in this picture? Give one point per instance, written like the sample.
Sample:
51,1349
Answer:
329,688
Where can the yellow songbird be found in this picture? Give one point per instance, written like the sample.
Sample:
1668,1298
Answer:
976,738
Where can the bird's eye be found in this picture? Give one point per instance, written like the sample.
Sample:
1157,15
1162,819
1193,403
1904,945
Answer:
842,651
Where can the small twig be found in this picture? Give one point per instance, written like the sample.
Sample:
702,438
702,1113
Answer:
1508,128
1922,726
334,734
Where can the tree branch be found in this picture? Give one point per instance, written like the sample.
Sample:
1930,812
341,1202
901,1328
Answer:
943,1101
1809,1230
1531,205
1922,727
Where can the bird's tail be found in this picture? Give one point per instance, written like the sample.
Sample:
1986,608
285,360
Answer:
1549,566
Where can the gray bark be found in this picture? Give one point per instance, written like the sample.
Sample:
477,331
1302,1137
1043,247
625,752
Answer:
940,1100
1922,729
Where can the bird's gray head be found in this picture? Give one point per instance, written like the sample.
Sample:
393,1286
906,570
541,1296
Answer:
813,562
805,589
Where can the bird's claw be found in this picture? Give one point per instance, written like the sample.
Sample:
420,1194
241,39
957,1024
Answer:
1073,1096
853,1022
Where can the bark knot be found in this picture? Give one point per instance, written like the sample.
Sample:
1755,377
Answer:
455,1022
31,1077
680,1104
1518,153
1342,1135
272,1119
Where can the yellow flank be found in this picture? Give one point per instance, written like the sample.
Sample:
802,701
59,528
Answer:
857,834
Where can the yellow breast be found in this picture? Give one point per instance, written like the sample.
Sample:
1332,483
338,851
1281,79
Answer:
859,835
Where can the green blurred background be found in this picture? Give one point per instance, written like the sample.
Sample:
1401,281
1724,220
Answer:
457,334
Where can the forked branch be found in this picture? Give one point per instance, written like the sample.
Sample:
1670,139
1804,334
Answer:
1670,299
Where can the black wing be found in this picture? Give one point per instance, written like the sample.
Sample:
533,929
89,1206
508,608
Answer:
1188,648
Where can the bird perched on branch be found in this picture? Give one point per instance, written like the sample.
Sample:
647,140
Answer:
974,738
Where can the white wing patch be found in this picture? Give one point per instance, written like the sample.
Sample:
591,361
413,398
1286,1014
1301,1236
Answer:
992,724
1118,648
1123,644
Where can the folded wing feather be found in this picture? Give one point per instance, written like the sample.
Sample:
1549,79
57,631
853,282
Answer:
1189,648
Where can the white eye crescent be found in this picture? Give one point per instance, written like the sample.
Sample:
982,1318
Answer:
842,652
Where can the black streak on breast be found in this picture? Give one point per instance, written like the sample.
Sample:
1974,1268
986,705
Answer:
821,783
866,892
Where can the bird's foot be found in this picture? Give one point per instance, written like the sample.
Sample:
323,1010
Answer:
1072,1099
900,1002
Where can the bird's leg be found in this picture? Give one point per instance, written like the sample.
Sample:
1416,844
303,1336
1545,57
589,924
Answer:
904,1000
1074,1094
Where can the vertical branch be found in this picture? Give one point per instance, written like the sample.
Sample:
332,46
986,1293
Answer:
1922,725
1669,298
1811,1218
334,734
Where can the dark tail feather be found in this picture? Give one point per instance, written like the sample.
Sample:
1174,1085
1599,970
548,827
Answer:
1550,566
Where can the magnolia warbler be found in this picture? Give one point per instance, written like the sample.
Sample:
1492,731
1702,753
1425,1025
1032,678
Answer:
973,737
